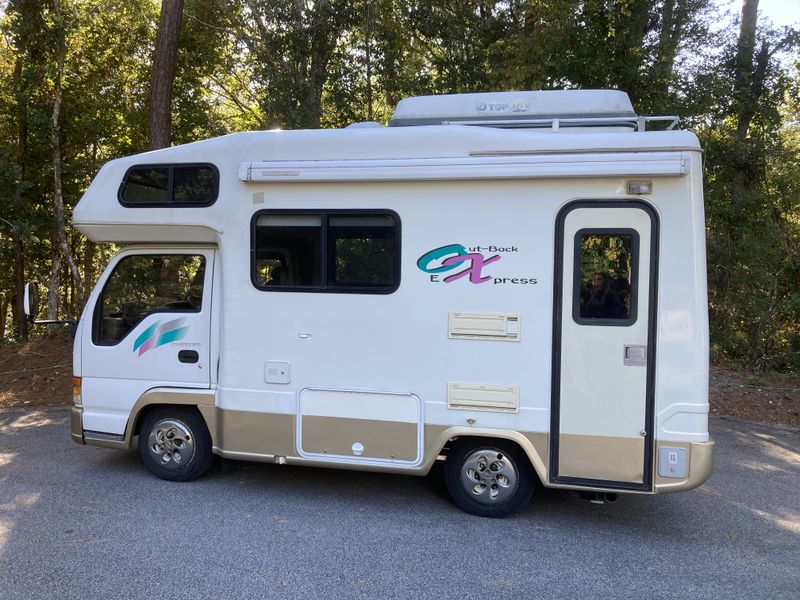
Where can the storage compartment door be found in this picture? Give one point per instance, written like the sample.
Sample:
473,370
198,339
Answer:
360,426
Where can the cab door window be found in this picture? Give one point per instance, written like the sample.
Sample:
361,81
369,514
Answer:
144,284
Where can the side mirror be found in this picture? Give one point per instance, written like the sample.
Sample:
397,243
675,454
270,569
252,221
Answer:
30,301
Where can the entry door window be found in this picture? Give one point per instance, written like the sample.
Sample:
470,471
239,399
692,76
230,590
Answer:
605,277
144,284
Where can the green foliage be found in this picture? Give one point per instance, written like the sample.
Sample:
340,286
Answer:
249,64
754,250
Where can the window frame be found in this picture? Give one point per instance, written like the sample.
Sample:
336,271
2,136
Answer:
98,306
170,203
324,257
577,260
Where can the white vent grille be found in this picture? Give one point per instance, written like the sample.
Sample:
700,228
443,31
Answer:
483,326
481,396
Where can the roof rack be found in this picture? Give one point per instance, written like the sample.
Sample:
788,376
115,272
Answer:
555,123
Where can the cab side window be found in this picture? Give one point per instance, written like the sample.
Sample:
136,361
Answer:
144,284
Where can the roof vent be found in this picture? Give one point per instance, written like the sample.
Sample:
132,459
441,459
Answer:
364,125
552,109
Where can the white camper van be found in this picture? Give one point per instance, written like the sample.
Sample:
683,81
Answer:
514,282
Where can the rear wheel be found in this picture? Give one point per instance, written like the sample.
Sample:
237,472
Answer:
487,477
174,443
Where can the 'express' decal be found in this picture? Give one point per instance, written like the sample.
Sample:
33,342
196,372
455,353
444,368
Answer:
460,262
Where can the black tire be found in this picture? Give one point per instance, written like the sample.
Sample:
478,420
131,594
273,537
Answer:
174,443
490,496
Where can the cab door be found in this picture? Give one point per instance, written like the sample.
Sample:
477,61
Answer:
150,327
602,408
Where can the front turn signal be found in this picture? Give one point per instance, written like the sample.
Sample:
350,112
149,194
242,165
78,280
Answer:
76,391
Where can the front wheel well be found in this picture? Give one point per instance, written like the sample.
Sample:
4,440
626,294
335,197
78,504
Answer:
147,409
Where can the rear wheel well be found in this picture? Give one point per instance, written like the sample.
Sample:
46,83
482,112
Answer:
489,476
487,440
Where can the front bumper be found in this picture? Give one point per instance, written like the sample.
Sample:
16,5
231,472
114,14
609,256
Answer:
76,424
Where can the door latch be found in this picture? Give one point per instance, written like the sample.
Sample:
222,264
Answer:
635,356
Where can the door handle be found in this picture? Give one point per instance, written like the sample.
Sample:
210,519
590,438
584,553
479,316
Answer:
635,356
188,356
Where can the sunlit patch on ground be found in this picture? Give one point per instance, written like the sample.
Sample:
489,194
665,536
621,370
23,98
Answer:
761,467
769,446
32,419
782,517
21,501
787,519
5,458
6,525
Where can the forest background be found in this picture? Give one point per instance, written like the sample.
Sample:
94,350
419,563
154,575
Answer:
86,81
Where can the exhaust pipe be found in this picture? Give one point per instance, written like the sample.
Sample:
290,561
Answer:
599,497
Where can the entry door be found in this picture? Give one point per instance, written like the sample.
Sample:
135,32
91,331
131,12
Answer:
602,403
150,327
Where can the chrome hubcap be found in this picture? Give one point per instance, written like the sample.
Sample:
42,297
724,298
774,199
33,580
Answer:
489,476
171,444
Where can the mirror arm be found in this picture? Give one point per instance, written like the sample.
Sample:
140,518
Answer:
54,322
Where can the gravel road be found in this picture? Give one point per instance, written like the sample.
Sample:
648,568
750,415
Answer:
86,522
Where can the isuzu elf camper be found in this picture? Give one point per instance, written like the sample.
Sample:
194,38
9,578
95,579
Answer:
512,281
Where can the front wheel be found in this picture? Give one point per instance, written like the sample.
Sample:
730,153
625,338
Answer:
174,443
487,477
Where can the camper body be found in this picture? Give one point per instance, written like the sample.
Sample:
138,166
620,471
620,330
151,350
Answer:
515,281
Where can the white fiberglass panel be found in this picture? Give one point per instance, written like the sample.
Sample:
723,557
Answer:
600,394
348,404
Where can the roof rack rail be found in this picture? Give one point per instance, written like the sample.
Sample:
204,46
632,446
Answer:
554,123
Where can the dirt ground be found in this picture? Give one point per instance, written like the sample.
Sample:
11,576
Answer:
40,373
37,373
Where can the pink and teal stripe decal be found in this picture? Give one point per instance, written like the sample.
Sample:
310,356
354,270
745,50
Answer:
159,334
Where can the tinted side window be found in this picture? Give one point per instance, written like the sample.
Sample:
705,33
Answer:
197,185
605,277
169,185
147,185
362,251
334,252
288,250
144,284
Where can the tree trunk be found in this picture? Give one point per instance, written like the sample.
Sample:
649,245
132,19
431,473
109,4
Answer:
165,59
17,310
3,316
674,17
52,289
58,191
323,42
745,96
88,263
368,56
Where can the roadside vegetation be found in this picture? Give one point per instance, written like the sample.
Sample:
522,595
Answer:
86,81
